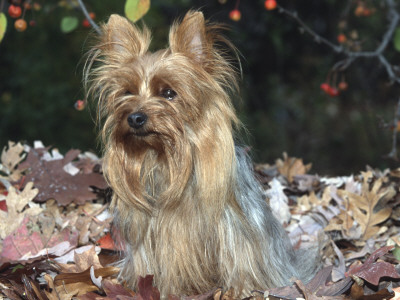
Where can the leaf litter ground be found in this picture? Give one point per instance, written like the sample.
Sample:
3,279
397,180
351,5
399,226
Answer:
55,229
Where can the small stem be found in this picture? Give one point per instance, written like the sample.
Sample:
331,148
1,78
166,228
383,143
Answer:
237,4
85,12
393,152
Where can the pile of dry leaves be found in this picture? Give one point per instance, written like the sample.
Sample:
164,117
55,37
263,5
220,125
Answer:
55,229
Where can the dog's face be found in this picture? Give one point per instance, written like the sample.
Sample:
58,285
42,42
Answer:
163,99
155,99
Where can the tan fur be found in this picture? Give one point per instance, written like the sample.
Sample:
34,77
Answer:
188,213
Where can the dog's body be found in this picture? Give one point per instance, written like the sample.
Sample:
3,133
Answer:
185,199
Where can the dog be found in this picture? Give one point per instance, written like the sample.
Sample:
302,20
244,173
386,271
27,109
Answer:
185,200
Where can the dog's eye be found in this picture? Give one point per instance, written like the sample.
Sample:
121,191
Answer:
168,94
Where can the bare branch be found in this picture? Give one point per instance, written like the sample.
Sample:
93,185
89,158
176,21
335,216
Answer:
319,39
394,18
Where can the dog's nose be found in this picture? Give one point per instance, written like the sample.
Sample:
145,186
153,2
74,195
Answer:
137,120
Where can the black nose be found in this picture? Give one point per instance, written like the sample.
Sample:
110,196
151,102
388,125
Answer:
137,120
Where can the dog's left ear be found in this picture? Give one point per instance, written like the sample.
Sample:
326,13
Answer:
189,37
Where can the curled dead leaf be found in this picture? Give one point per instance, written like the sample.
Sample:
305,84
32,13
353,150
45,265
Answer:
291,166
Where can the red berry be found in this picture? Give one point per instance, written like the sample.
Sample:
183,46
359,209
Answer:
85,23
359,11
20,25
333,92
367,12
341,38
32,23
270,4
343,85
14,11
79,105
325,87
235,15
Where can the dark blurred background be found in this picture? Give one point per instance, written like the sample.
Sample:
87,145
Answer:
283,107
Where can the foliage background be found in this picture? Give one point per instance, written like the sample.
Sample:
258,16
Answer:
282,107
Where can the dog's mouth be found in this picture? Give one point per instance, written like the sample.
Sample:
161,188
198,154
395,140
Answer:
142,133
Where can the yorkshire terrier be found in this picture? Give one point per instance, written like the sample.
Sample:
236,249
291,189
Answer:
185,199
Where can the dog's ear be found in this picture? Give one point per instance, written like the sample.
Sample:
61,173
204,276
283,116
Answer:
189,37
123,37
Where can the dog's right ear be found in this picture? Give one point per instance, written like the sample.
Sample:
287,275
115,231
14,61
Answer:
123,38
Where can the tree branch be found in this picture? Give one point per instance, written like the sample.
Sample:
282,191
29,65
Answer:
394,18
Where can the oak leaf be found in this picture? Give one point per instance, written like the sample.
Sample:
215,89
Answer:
27,242
54,182
366,208
291,166
17,209
10,158
373,271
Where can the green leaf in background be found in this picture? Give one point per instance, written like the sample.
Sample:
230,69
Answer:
3,25
69,24
396,39
136,9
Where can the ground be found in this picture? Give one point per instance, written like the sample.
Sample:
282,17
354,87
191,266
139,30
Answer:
55,229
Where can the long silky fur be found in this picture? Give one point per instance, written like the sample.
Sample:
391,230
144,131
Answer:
185,199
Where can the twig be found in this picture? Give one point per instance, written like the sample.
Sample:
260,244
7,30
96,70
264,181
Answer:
319,39
393,152
85,12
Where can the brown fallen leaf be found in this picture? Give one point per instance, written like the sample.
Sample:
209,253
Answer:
291,166
82,262
17,209
357,293
366,208
115,290
146,290
309,295
318,286
373,271
84,277
11,156
27,241
54,182
345,223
